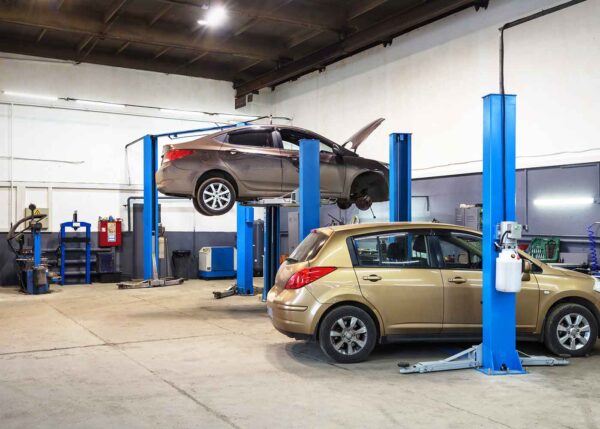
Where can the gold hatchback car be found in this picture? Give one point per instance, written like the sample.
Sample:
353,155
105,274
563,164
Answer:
354,286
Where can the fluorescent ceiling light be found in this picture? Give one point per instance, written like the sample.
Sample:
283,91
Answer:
565,202
100,104
182,112
214,17
32,96
233,116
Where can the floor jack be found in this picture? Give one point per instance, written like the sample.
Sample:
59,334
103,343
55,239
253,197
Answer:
155,281
33,273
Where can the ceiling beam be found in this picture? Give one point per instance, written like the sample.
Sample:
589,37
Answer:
161,53
160,14
363,7
112,11
169,67
122,48
40,35
384,31
136,32
324,18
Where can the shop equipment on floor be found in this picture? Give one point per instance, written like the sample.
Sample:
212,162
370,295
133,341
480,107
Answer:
32,268
75,252
216,262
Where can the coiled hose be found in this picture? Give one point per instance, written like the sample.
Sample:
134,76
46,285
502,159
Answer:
592,243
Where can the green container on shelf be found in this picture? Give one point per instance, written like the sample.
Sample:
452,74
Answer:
546,249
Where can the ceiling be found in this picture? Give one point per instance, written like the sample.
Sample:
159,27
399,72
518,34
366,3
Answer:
262,43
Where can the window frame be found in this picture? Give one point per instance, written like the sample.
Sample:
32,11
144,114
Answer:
440,255
271,145
315,136
432,262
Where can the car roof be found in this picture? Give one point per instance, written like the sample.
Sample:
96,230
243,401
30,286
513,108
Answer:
365,228
269,126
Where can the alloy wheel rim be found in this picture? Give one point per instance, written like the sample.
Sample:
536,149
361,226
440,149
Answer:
348,335
573,331
216,196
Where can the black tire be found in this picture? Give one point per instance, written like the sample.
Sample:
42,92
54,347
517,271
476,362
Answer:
222,192
344,204
360,345
566,334
364,202
198,208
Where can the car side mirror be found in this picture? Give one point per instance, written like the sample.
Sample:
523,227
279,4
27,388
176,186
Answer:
526,276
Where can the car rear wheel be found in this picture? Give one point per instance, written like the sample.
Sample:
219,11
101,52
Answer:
571,329
215,196
347,334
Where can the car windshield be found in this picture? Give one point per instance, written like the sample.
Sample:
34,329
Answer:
309,248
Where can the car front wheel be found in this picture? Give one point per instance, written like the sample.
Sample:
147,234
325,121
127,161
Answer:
347,334
215,196
571,329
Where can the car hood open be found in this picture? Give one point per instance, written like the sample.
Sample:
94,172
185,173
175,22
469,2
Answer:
361,135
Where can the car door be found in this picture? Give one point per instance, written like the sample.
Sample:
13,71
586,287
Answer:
332,166
254,161
461,265
396,275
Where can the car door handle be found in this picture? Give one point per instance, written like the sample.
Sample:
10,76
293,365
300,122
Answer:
372,278
457,280
233,152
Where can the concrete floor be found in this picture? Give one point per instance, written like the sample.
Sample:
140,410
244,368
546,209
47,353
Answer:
98,357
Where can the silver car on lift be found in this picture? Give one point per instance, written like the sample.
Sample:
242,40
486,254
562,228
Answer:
255,162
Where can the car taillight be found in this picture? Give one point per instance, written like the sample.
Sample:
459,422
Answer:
174,154
307,276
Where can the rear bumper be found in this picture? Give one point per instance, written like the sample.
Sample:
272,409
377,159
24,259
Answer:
171,180
293,312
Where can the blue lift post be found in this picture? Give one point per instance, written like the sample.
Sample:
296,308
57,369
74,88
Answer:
310,187
499,199
245,268
498,354
271,248
400,177
150,213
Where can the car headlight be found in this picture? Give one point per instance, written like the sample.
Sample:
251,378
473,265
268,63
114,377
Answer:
596,284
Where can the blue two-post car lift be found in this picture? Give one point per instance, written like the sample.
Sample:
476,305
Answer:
497,354
150,210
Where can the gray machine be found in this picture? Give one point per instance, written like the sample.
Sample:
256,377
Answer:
469,215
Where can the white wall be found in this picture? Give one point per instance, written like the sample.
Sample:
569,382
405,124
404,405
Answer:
95,177
430,82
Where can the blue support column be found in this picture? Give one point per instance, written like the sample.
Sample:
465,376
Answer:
310,187
400,177
37,248
499,198
88,253
271,248
245,259
150,214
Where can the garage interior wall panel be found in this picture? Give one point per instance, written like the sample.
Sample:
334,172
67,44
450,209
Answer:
93,174
430,82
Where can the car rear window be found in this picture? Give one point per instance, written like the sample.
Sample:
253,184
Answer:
251,138
309,247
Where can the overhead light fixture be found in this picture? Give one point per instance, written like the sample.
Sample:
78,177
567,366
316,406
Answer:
100,104
30,96
214,17
182,112
236,117
564,202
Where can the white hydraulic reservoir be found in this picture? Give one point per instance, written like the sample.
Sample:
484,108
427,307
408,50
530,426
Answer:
508,271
